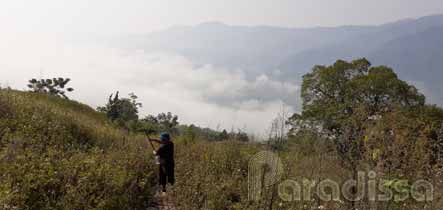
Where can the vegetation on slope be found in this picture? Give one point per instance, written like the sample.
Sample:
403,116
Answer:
59,154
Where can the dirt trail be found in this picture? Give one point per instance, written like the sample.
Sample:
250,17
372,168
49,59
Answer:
162,203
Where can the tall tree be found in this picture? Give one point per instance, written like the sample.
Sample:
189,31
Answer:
341,100
121,109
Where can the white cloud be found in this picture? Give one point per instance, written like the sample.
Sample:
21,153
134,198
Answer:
202,95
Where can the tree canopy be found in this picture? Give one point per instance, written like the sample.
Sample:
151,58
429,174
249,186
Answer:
54,86
332,95
121,109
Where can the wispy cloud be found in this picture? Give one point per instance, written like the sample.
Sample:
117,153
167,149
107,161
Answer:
202,95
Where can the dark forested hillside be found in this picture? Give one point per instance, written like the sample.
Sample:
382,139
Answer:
418,58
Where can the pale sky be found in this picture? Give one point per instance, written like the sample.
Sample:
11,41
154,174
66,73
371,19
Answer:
33,45
139,16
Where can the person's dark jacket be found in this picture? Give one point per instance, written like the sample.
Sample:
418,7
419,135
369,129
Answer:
166,153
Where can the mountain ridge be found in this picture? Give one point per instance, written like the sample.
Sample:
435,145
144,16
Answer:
288,53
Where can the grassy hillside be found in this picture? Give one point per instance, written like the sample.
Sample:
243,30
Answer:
60,154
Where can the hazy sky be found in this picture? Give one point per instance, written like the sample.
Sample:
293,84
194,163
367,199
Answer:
138,16
33,44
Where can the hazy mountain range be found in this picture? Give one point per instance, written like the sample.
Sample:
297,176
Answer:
413,47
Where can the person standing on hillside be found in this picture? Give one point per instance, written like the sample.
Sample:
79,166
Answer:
165,154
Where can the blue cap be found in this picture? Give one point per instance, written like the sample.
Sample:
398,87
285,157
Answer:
165,137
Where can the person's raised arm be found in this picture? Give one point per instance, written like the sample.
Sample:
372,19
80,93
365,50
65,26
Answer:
155,140
159,141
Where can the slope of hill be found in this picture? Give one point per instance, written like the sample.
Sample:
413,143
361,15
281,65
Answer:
366,44
59,154
418,58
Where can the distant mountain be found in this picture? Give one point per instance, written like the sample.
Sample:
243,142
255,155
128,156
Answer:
253,49
414,47
417,57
